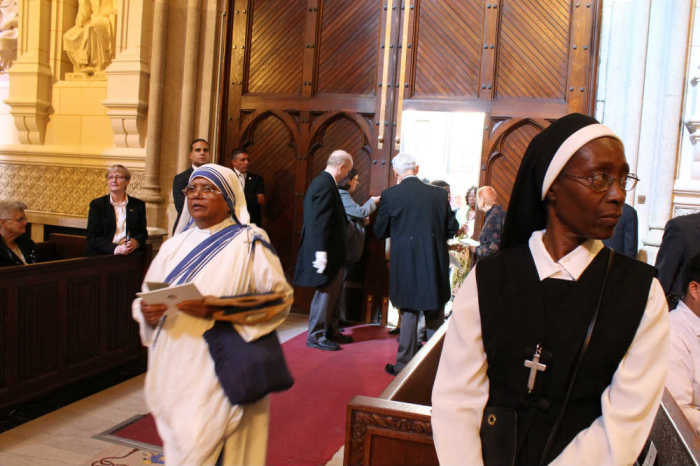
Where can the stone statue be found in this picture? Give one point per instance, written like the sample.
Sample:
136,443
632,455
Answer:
8,33
89,44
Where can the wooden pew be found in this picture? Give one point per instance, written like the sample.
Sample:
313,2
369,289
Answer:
394,428
64,320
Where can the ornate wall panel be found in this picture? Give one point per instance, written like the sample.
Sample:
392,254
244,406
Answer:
276,46
348,48
505,148
448,53
273,156
533,49
342,133
57,190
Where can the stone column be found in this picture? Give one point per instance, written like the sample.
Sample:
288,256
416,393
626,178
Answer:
189,82
30,76
151,186
663,91
686,191
127,75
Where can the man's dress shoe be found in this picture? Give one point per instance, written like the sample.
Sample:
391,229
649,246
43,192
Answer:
341,338
391,369
323,344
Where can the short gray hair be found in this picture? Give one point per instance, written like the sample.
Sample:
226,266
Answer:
7,208
403,162
118,168
338,158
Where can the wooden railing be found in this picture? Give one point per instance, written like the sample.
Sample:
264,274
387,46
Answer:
64,320
394,428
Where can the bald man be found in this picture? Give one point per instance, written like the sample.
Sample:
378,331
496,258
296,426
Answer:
490,236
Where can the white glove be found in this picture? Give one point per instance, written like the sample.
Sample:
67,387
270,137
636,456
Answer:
321,261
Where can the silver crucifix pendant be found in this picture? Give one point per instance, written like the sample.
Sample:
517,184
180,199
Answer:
534,365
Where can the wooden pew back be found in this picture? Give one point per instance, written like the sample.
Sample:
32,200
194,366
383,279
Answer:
64,320
394,429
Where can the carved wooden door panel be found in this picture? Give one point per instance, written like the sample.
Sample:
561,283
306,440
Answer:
306,77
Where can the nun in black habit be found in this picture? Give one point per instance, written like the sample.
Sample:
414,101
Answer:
556,351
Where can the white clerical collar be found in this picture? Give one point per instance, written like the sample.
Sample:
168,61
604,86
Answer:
569,267
692,320
218,227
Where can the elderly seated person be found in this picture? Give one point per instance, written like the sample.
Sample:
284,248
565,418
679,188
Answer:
683,380
16,248
116,222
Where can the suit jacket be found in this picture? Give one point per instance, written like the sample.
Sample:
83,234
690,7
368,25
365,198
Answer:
102,224
324,229
179,183
419,221
25,244
681,241
624,238
254,185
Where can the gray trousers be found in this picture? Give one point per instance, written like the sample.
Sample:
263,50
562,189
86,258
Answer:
408,335
323,316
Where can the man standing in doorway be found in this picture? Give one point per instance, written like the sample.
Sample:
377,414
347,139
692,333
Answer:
199,155
322,252
418,218
253,185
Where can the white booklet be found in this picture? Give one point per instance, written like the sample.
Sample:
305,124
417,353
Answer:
161,293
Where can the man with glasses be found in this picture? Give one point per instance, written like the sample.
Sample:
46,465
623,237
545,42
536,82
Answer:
188,389
199,155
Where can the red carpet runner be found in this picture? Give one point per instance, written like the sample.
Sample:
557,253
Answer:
307,423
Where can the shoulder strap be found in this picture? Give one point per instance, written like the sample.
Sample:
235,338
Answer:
200,256
579,359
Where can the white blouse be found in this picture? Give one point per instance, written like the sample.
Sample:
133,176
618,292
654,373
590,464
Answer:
683,379
629,404
120,216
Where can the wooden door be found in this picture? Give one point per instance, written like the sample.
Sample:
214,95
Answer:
306,77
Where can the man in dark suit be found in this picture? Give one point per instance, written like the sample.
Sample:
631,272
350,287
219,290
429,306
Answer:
253,185
199,155
624,238
418,219
322,252
681,241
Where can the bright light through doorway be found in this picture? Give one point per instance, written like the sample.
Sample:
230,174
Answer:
447,146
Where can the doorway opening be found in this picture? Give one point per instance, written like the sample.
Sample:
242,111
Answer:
447,146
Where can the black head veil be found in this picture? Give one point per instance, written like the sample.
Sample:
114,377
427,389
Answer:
526,210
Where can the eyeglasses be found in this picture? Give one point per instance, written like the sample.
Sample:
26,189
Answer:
116,177
205,190
601,182
22,219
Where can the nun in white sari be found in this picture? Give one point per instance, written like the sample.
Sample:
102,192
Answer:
217,251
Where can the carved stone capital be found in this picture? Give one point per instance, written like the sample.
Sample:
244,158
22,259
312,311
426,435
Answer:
692,125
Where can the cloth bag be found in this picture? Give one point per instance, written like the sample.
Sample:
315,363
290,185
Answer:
247,371
354,240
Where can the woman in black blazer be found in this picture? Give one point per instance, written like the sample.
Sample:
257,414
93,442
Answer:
116,222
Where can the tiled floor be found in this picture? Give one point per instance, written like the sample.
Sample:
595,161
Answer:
63,437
